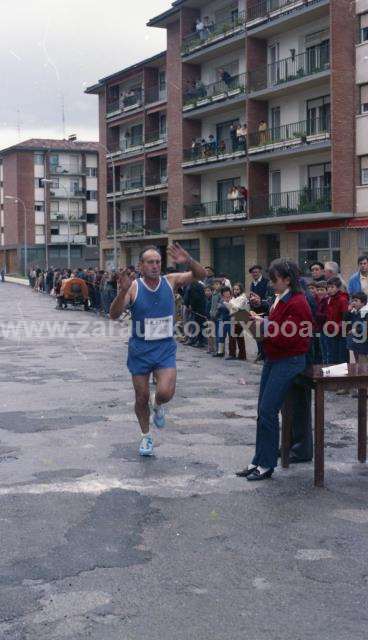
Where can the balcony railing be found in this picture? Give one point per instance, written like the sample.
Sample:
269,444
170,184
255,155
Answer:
272,9
213,32
155,137
63,217
291,203
129,229
294,68
207,151
289,135
67,169
64,239
155,94
131,184
126,102
201,95
215,211
57,192
156,181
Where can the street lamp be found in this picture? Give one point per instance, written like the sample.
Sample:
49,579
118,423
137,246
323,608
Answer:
15,199
49,181
114,216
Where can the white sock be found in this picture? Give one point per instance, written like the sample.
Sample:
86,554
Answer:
263,469
144,435
251,466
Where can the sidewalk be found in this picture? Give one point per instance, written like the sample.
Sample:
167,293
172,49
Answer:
16,280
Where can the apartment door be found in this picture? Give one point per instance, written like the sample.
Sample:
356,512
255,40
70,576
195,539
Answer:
229,257
275,123
136,135
318,115
275,195
137,217
318,57
223,130
319,180
274,66
223,187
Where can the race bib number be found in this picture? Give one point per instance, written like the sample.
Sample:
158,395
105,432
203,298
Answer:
158,328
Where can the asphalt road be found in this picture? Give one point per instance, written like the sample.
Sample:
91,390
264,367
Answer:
97,543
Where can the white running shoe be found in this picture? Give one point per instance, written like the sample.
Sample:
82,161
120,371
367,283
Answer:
146,446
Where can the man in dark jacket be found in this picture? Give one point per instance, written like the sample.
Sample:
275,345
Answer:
195,300
259,284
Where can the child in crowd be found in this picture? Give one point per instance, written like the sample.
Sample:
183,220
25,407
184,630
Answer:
357,315
224,322
312,286
337,306
216,297
320,348
236,338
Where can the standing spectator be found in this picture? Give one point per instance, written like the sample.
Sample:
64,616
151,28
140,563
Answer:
200,29
357,314
224,321
259,284
337,306
243,193
225,282
2,274
210,277
216,297
320,348
332,270
233,198
241,134
196,302
211,341
236,338
226,78
317,270
234,137
358,282
262,131
211,145
208,25
285,358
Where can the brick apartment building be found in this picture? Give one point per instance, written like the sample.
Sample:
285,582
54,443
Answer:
49,204
296,72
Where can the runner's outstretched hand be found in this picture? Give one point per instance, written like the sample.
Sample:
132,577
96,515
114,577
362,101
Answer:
178,254
125,280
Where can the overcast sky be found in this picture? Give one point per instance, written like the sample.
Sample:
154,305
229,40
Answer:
54,49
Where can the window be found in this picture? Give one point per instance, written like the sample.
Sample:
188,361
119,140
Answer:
137,217
39,229
91,172
91,195
364,170
54,231
54,161
54,206
363,102
55,183
223,187
163,208
319,178
319,246
92,241
363,239
163,169
162,81
39,206
38,158
162,123
363,27
38,183
192,246
136,135
318,114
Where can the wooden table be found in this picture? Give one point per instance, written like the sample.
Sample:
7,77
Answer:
313,378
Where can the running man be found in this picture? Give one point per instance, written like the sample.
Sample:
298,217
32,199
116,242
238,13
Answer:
152,346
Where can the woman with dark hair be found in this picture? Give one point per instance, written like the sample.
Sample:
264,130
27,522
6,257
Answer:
286,340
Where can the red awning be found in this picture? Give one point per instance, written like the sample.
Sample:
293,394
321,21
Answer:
317,226
357,223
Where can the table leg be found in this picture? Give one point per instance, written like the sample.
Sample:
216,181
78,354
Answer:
319,436
362,425
287,417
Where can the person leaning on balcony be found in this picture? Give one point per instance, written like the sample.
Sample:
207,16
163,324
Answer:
243,193
200,29
241,135
233,136
225,77
233,198
209,25
262,128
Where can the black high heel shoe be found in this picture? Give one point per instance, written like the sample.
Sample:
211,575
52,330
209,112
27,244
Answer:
245,473
257,475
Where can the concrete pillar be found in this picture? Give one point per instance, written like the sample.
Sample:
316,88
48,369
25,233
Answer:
205,250
289,246
349,251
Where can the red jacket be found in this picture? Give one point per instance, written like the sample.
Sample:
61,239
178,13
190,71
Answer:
321,313
294,310
337,305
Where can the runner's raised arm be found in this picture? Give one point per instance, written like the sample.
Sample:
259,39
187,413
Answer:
127,287
180,256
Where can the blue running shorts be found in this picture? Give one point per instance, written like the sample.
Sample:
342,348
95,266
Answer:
145,357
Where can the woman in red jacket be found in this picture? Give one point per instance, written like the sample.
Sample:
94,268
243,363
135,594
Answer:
286,339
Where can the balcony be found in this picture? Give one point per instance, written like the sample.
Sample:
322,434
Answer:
260,11
155,182
214,33
298,136
154,138
58,192
65,169
130,101
290,71
215,212
291,203
217,92
209,153
128,229
155,94
131,186
63,217
65,239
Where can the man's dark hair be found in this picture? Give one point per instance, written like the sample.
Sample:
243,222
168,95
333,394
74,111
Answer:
316,264
362,257
255,266
286,269
225,289
239,284
360,296
334,280
152,247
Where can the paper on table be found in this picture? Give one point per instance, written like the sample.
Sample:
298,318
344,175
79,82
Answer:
336,370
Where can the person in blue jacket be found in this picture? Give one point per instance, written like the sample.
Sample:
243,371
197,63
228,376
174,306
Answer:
358,282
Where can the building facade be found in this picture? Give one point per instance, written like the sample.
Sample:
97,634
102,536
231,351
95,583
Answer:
49,215
133,133
295,72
